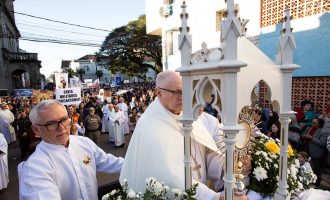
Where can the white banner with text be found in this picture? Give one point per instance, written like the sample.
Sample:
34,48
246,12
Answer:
69,96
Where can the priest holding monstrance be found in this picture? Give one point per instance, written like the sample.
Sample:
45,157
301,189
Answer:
156,148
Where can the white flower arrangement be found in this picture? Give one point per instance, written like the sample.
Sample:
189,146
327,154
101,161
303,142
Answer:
306,178
265,163
155,190
260,173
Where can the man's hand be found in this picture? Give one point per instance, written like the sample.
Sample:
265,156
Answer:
24,134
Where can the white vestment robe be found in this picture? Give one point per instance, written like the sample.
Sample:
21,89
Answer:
124,108
105,120
57,172
156,150
213,126
111,135
6,118
118,128
4,175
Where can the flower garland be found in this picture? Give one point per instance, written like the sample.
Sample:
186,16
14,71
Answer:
265,163
155,190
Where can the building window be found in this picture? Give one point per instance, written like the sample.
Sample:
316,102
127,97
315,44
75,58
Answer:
169,43
221,15
272,11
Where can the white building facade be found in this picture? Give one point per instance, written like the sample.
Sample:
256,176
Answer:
310,19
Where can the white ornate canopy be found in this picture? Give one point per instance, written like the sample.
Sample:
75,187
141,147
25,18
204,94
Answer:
230,72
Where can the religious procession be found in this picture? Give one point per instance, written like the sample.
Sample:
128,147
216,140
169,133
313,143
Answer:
227,116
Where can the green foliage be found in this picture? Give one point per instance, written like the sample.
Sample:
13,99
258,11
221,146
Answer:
190,193
70,72
99,73
80,71
129,50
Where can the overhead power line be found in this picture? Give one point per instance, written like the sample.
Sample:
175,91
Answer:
61,30
68,42
53,36
47,24
61,22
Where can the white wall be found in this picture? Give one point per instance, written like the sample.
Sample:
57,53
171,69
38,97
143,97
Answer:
202,23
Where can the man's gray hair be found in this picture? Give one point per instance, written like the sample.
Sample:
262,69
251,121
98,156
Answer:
34,113
162,78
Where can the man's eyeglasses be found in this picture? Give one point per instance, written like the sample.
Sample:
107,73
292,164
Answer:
178,92
53,126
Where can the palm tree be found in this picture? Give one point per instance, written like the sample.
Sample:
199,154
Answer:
70,72
99,73
80,71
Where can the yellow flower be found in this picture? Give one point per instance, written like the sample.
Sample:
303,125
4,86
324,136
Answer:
272,147
290,151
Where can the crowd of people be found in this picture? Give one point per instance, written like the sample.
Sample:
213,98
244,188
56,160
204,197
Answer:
41,127
309,134
95,114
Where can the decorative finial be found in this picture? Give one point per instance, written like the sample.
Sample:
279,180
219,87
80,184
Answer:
287,42
183,4
184,37
184,16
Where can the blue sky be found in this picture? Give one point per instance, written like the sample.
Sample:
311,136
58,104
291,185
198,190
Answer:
102,14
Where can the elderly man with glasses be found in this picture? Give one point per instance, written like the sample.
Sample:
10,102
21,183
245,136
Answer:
63,166
157,145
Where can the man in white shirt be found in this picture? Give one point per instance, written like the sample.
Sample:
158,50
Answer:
117,120
111,113
105,119
132,103
156,148
63,166
124,108
4,178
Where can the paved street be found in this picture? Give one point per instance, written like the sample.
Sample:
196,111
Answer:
11,192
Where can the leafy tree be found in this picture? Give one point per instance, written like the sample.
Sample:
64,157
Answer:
129,50
99,73
80,71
